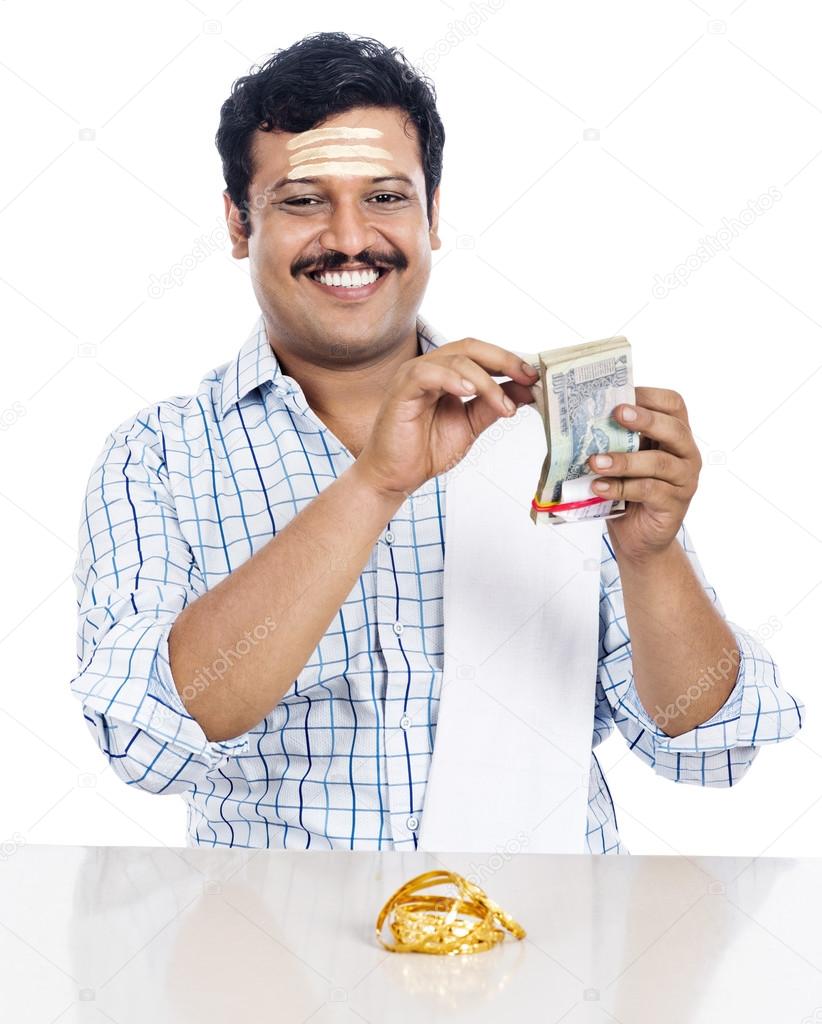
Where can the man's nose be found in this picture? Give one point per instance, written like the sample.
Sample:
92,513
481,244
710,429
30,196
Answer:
348,230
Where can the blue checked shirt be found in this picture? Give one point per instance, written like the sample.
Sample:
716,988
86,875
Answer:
186,490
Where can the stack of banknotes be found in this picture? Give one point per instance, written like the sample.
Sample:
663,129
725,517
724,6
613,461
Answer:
578,389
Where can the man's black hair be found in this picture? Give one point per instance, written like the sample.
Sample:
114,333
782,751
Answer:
321,75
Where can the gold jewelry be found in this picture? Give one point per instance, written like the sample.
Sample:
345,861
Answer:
441,924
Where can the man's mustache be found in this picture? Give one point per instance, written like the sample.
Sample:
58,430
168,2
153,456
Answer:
333,260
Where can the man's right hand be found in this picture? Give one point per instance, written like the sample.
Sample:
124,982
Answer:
423,428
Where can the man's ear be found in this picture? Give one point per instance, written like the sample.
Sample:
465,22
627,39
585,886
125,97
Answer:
435,219
235,221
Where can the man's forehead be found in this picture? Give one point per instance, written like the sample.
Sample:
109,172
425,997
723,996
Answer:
357,124
386,128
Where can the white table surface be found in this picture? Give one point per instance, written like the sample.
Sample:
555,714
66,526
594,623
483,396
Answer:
144,935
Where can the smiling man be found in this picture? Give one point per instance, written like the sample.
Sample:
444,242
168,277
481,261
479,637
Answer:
340,292
260,573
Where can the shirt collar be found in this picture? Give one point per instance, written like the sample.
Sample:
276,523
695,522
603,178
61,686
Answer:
256,364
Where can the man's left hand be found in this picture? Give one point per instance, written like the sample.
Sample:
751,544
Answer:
658,481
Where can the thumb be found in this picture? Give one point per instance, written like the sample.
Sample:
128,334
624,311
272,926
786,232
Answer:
481,413
520,393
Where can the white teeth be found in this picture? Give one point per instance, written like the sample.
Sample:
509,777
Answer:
348,279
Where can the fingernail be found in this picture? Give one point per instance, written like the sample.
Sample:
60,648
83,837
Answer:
628,412
509,405
601,485
528,368
603,461
467,385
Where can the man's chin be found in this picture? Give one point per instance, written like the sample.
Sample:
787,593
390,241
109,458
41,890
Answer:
358,340
351,346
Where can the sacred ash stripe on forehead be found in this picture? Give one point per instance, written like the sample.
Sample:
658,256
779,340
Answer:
350,158
333,152
324,134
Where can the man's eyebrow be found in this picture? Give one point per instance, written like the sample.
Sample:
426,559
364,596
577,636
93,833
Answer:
313,181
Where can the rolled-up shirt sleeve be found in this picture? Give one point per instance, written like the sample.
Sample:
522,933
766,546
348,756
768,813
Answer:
134,574
719,751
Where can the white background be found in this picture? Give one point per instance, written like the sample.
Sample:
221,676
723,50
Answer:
590,147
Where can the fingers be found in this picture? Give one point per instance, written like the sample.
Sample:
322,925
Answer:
660,465
653,474
483,412
671,431
432,379
522,394
475,360
427,377
453,369
656,493
484,384
662,400
494,359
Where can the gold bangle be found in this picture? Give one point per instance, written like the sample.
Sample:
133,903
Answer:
430,923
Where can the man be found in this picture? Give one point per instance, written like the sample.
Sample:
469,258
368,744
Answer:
260,565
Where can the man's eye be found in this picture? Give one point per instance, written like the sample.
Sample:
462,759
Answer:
311,200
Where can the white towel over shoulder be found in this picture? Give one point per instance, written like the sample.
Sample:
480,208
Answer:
512,750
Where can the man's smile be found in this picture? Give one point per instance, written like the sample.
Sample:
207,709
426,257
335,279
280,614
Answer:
350,285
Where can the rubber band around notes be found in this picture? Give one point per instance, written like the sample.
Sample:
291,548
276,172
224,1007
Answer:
558,506
443,925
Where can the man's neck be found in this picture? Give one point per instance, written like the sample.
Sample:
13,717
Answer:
347,399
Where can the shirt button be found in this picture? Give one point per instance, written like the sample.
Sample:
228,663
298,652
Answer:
413,824
405,721
389,537
397,627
